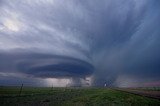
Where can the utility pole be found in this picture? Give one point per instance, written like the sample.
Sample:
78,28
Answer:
52,87
20,90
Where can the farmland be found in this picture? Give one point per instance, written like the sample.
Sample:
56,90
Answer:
43,96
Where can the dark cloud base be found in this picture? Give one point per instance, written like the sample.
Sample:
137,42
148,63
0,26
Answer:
46,66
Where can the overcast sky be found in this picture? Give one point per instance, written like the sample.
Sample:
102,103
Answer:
80,42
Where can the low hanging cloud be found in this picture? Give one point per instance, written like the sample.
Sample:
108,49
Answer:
45,66
107,40
52,66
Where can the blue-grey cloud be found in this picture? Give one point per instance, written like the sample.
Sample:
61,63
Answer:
118,38
45,65
56,66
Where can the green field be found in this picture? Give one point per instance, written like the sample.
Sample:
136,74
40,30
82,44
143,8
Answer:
30,96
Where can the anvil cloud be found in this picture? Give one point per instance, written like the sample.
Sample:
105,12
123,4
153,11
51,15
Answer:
106,41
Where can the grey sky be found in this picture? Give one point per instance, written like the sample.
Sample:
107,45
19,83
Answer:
113,41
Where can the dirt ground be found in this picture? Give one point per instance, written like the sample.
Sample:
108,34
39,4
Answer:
142,92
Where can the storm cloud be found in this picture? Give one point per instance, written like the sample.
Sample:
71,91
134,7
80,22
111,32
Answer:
108,41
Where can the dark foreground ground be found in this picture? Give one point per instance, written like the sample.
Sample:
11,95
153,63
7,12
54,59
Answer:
147,92
11,96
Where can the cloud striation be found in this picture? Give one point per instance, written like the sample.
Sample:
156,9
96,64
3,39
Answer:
108,41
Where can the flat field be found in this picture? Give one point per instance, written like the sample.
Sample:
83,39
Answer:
39,96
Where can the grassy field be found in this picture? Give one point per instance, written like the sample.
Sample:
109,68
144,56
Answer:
30,96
